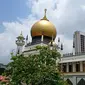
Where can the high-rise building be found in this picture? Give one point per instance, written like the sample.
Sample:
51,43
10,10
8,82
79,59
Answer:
79,42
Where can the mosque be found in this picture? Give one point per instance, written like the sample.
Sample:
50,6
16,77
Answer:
43,33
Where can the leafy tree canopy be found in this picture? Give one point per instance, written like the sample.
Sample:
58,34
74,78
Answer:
36,69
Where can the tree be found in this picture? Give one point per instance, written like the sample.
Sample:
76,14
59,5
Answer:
36,69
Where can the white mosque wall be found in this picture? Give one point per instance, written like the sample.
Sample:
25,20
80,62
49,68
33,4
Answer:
72,59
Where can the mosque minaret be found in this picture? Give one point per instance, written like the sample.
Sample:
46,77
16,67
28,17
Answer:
20,43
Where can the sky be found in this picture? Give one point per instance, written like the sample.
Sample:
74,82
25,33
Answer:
68,16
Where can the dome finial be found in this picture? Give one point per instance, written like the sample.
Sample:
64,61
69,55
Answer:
45,18
45,12
21,33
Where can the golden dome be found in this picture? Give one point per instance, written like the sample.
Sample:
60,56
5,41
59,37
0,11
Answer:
43,27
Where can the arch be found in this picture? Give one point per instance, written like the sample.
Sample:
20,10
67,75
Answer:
81,82
69,82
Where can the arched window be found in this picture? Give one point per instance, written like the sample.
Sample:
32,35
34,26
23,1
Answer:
81,82
69,82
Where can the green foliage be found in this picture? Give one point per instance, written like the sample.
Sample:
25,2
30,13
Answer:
36,69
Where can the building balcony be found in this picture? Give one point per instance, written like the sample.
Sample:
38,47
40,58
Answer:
73,73
71,54
72,59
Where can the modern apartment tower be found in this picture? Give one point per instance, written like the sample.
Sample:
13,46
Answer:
79,42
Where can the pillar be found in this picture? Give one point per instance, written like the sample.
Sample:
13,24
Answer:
73,51
81,66
84,66
67,67
74,67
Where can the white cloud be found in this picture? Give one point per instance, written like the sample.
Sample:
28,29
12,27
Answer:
66,15
8,37
83,7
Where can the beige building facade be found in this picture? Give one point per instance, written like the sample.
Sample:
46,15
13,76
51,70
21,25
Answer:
79,42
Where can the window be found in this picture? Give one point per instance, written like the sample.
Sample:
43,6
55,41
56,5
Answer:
82,43
70,67
64,67
77,67
84,66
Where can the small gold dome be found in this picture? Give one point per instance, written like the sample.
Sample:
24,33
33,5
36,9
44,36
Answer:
52,43
43,27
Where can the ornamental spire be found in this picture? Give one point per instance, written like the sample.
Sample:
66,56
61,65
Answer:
45,11
21,33
45,18
20,36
